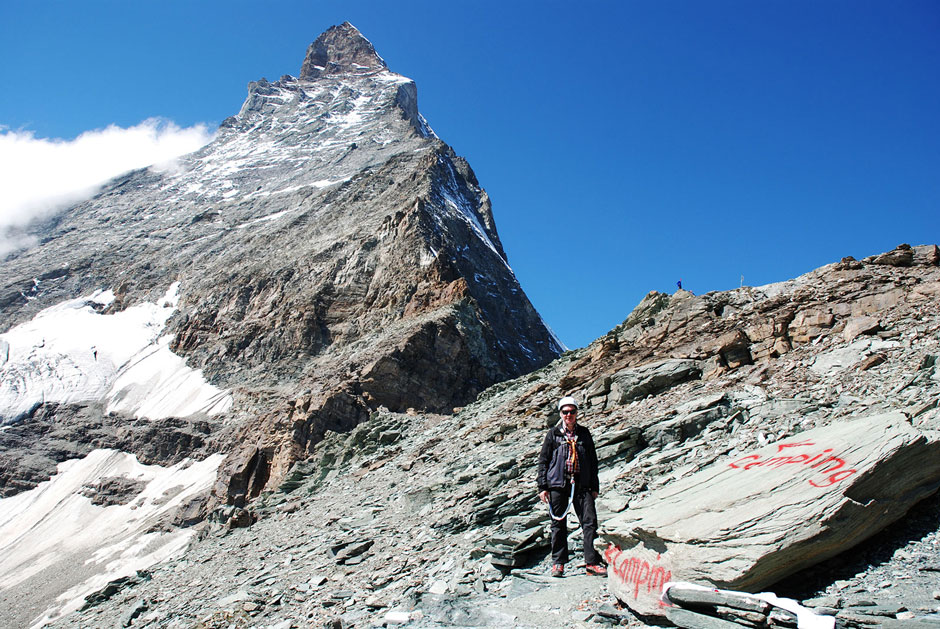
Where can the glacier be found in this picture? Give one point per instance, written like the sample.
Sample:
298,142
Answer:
71,352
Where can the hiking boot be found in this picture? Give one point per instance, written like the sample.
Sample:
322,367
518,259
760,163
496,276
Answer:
558,570
596,570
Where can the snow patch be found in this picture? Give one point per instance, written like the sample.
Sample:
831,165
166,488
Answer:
393,78
425,260
425,129
263,219
456,201
157,383
559,346
325,183
72,353
54,524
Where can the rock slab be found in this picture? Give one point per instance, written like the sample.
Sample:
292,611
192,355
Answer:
753,518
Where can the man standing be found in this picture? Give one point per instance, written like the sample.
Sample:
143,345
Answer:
568,474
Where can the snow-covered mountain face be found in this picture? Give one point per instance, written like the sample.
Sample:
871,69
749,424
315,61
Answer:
324,256
325,240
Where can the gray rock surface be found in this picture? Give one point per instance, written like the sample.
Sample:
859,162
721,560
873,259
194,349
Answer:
31,448
747,521
334,256
449,500
340,50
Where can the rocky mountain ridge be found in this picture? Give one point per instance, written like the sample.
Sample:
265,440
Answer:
324,256
432,520
331,252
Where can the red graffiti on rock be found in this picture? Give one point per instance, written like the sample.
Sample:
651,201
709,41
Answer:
637,573
832,469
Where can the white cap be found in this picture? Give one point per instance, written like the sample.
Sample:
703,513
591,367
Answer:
567,401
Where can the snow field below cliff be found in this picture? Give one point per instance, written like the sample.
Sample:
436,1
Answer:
158,384
55,526
71,353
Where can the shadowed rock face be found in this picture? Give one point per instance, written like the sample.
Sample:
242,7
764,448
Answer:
54,433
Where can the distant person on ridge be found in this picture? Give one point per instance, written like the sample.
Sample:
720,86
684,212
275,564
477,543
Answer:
568,475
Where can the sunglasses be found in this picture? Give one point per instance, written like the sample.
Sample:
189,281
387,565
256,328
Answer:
569,412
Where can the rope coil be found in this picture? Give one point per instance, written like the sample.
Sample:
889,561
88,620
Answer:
564,514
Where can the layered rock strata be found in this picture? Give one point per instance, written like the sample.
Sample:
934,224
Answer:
434,520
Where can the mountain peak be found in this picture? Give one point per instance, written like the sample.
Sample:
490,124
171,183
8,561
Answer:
340,50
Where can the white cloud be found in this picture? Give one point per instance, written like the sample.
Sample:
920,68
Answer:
39,176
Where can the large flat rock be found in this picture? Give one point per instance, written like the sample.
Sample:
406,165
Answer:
751,519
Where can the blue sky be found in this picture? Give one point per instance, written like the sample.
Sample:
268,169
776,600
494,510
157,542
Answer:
625,145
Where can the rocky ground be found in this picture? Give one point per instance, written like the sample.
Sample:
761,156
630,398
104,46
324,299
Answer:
895,574
335,266
432,520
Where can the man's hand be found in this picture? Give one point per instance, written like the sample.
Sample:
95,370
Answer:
543,496
594,493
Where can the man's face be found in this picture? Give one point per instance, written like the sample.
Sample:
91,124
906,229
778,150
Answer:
570,415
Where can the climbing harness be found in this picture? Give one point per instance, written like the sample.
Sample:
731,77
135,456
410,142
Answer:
571,461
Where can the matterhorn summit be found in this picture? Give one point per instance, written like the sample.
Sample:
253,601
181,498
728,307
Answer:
324,257
341,50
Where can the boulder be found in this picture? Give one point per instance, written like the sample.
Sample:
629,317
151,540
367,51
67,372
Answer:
769,338
902,255
856,326
695,607
878,301
926,255
637,382
753,518
849,355
733,348
808,324
683,427
622,444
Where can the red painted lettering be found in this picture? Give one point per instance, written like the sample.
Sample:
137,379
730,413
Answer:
735,464
756,463
637,574
834,478
800,458
826,465
838,463
777,461
817,456
659,577
644,569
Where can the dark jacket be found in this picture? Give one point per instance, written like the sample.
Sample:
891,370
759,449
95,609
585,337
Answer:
553,455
